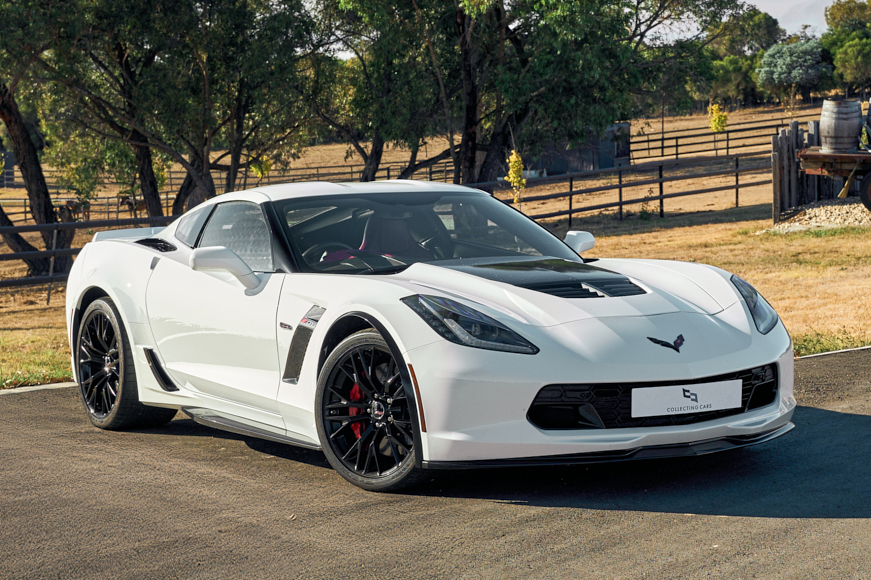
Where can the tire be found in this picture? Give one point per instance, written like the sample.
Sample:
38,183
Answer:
363,416
107,378
865,191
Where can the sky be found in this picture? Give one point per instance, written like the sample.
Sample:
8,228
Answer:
793,13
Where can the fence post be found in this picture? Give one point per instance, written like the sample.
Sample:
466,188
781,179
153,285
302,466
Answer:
620,191
775,179
571,189
661,205
388,172
51,265
727,143
675,148
737,187
429,173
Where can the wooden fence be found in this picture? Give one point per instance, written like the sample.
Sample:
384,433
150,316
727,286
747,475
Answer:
625,182
689,142
793,188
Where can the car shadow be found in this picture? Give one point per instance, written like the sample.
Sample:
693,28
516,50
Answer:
183,426
821,469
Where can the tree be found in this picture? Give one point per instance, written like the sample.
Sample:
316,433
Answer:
22,40
177,77
549,70
848,14
745,34
853,63
733,79
383,94
789,67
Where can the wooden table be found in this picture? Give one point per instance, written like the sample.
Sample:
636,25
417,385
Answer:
814,162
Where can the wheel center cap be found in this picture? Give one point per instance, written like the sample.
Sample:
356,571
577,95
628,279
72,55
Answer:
378,410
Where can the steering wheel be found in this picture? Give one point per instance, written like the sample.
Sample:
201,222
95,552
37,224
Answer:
318,251
436,243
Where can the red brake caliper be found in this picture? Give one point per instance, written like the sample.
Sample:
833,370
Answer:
356,396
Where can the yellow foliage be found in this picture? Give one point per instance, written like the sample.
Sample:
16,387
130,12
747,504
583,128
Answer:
717,118
515,175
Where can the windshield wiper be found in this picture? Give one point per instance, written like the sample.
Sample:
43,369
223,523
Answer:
386,270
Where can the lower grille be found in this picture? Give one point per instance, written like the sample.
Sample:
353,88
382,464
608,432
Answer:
609,405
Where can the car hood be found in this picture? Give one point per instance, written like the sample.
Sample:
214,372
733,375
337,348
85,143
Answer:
548,291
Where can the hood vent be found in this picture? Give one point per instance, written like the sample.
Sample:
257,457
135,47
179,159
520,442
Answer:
616,287
567,290
589,289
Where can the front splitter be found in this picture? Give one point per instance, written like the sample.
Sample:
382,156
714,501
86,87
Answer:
693,449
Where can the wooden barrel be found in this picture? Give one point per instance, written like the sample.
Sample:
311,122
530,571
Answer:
840,125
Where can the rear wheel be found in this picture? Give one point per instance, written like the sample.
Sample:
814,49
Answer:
363,415
104,367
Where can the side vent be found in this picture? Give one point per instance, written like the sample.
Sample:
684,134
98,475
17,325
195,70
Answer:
157,244
159,373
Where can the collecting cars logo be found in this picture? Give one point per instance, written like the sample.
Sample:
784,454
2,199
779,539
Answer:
694,397
678,342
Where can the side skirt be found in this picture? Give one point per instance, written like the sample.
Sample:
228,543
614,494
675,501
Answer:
209,418
652,452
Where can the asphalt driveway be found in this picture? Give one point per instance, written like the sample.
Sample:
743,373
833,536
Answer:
185,501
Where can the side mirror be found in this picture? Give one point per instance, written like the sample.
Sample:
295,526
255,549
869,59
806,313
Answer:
223,259
580,241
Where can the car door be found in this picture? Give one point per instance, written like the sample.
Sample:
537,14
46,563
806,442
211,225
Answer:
212,335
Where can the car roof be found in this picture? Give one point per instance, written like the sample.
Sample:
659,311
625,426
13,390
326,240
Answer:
319,188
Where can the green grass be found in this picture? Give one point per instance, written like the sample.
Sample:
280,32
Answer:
817,342
33,347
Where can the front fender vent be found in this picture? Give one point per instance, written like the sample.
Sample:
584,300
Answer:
157,244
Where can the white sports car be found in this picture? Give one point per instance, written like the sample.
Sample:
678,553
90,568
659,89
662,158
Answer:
405,325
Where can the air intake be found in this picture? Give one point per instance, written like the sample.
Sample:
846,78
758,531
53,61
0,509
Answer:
615,287
157,244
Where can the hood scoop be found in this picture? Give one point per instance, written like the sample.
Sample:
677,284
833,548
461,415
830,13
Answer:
562,278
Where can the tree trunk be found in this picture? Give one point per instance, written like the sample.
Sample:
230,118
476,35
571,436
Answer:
237,133
469,134
41,207
147,179
187,186
16,243
408,171
373,161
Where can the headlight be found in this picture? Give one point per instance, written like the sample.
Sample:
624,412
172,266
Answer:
763,314
463,325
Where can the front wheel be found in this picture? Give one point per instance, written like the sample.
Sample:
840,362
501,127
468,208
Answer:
107,379
363,415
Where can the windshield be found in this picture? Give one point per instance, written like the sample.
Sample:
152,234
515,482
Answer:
386,232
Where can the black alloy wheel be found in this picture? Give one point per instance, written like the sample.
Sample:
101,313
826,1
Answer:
364,416
100,363
105,371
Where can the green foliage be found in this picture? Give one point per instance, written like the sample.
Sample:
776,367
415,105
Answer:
798,64
848,15
853,62
745,34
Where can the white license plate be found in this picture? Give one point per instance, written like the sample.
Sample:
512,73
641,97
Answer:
683,399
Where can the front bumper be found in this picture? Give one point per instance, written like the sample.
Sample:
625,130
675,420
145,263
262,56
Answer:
475,404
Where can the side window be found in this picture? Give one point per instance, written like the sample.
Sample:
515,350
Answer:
190,226
240,226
